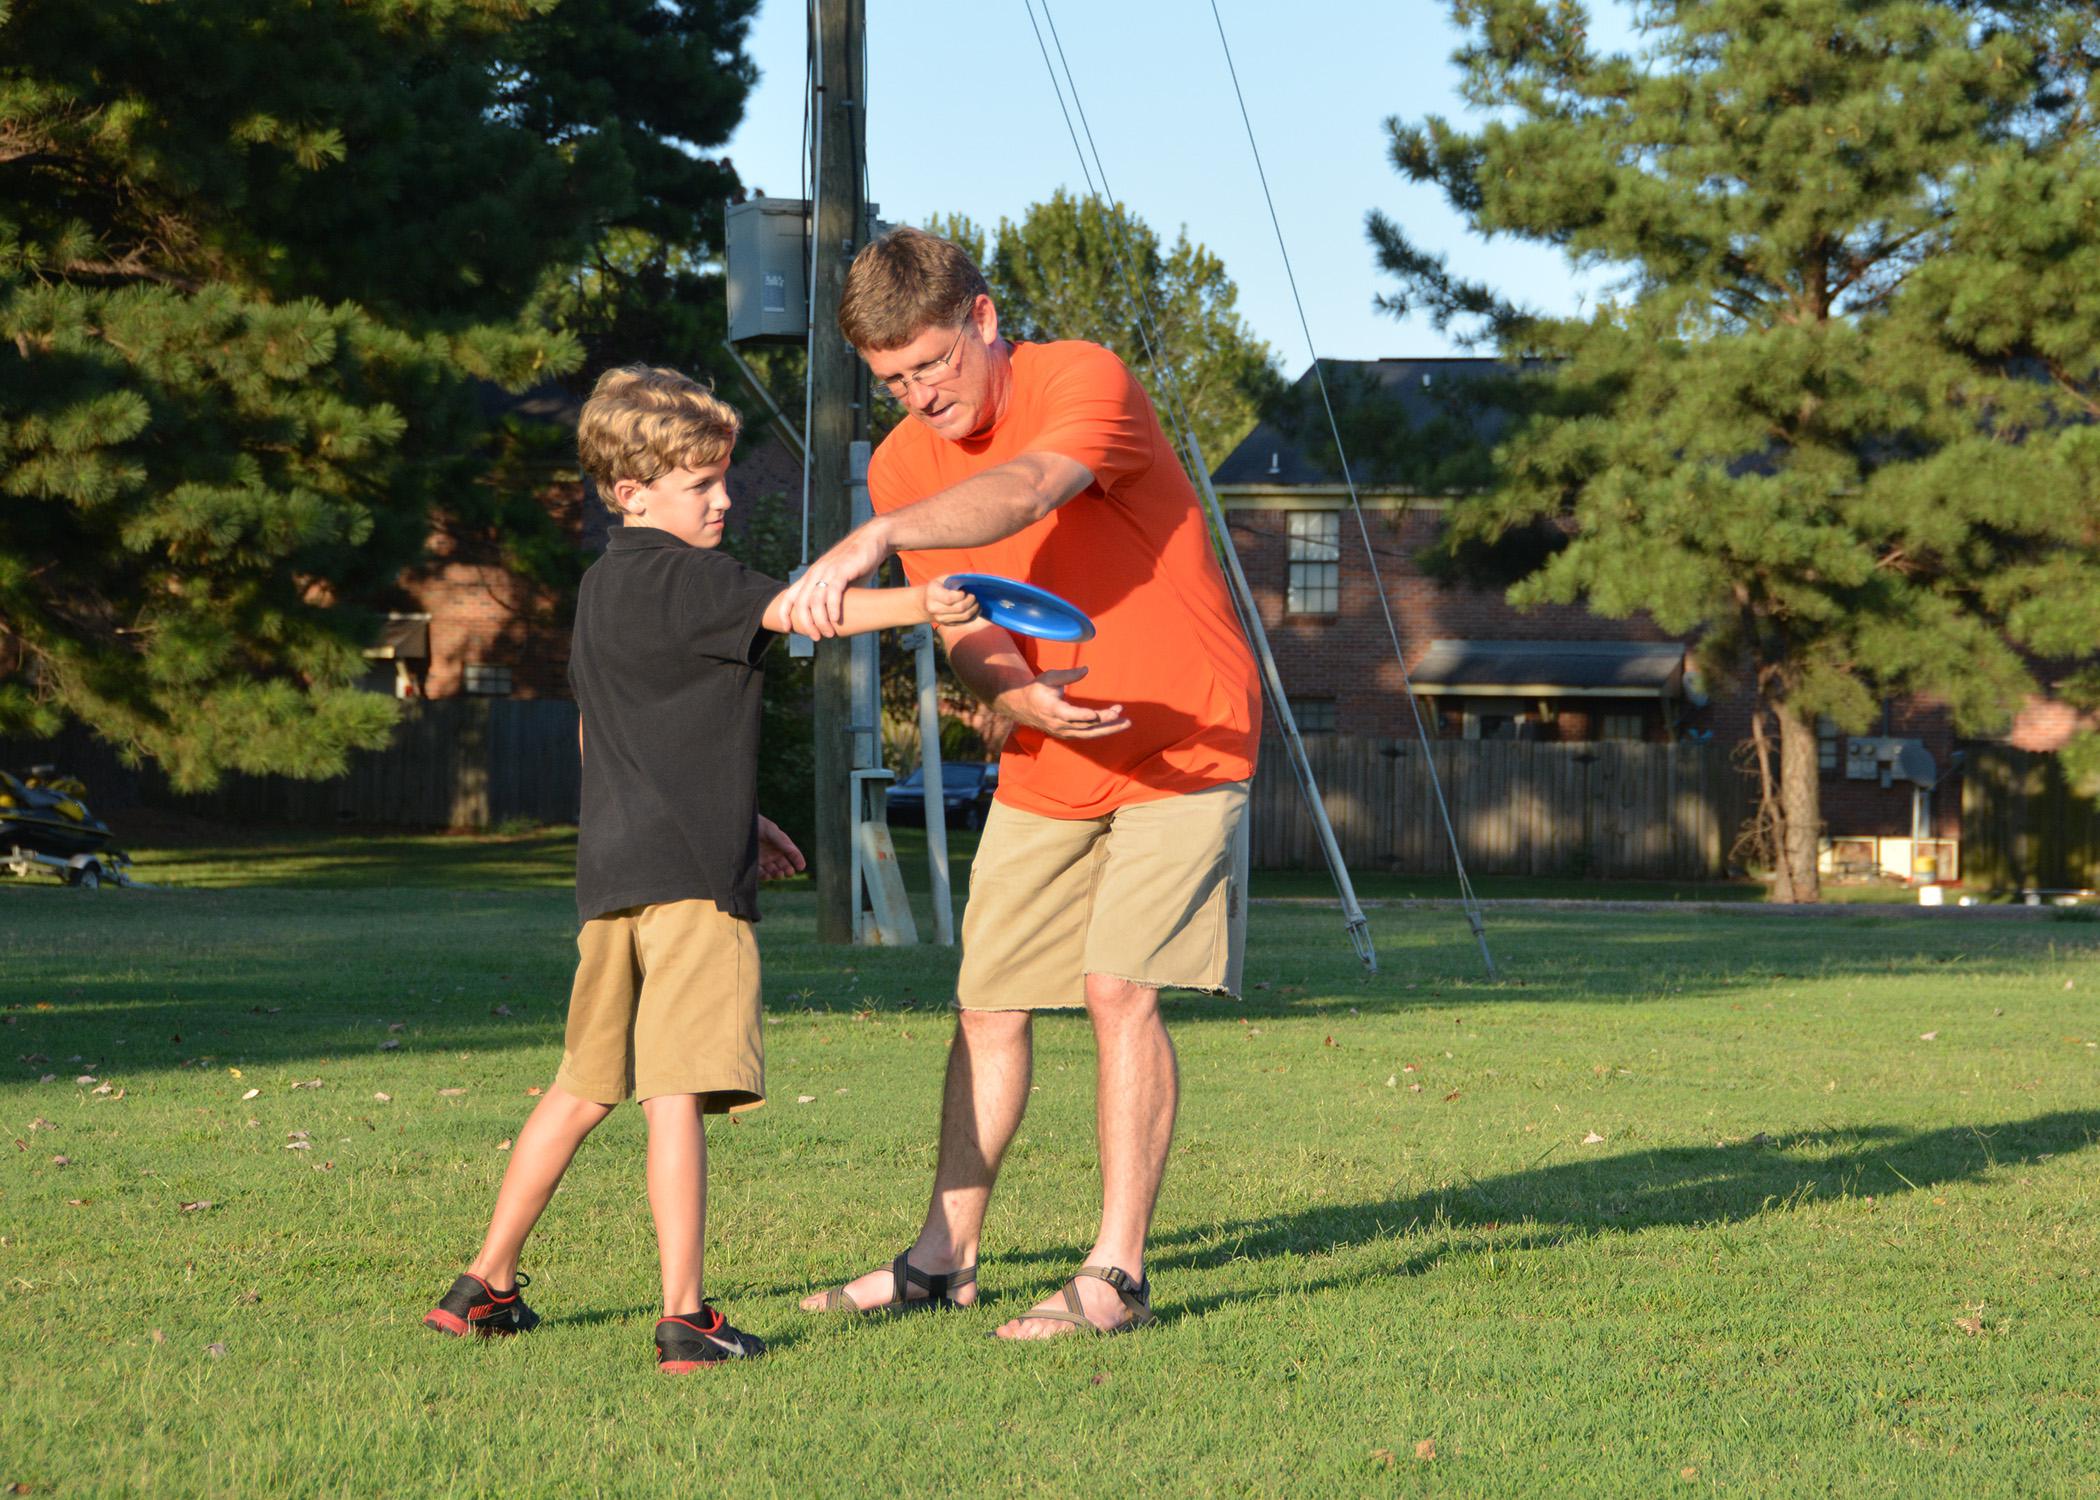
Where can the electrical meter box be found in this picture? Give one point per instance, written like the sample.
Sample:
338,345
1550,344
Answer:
767,246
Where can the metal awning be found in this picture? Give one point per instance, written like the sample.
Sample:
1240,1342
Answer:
402,638
1551,669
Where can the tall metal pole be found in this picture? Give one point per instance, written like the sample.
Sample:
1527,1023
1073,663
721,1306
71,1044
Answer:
838,417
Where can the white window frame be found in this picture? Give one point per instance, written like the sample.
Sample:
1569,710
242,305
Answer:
1314,561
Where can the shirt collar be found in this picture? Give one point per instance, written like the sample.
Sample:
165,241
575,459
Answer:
626,538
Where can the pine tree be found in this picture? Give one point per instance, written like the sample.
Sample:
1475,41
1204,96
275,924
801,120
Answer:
1762,435
253,259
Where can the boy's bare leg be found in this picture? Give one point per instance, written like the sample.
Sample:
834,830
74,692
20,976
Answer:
541,1153
678,1195
1138,1091
989,1064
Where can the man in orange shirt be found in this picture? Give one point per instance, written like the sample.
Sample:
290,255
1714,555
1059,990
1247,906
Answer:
1104,873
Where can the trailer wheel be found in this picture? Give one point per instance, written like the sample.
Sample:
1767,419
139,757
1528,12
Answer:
88,877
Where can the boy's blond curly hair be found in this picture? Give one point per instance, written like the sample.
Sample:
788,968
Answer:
642,422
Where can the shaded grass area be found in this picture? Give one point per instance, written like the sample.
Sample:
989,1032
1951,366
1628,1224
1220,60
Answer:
545,858
1835,1232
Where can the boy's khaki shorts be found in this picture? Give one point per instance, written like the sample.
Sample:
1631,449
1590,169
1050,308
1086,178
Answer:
1145,894
666,1001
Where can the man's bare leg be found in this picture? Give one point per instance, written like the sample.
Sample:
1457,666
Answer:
989,1064
1139,1090
678,1195
545,1146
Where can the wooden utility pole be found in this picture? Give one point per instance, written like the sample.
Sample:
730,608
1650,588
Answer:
839,417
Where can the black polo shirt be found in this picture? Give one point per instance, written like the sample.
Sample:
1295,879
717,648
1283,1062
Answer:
664,665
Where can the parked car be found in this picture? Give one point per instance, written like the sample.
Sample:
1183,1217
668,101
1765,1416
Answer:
966,793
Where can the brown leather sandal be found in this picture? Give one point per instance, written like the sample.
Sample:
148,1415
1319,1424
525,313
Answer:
940,1286
1136,1295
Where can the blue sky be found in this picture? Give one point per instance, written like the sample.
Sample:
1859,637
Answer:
962,118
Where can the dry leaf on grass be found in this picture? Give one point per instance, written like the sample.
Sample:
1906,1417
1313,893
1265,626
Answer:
40,1123
504,1144
805,1098
534,1092
215,1349
1426,1449
1414,1088
1593,1139
77,1202
384,1098
1689,1471
61,1161
1928,1036
1392,1081
251,1094
249,1298
85,1079
197,1207
298,1145
391,1044
103,1089
1451,1096
450,1093
311,1083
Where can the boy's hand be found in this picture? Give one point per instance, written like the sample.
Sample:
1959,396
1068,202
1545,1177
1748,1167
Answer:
948,606
778,857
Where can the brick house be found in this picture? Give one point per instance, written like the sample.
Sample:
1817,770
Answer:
1482,669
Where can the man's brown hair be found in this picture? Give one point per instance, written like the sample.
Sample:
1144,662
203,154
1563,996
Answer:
642,422
904,282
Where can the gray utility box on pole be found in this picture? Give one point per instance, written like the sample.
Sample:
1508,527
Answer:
767,245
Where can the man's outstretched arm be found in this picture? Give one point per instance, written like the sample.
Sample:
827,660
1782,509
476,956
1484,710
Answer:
984,508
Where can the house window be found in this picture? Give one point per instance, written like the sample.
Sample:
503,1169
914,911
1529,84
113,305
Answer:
1316,562
1314,715
1624,727
1826,746
485,680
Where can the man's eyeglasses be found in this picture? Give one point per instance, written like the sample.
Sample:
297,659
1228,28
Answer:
930,374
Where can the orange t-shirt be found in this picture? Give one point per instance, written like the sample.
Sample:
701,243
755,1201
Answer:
1132,550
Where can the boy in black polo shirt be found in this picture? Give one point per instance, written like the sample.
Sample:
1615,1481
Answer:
669,632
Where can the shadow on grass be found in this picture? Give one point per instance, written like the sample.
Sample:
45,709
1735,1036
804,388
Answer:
1546,1207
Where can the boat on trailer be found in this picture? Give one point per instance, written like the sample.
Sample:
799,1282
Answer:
45,825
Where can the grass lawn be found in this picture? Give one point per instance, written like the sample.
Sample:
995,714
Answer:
1689,1203
207,859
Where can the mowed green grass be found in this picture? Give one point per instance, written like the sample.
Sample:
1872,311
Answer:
1688,1203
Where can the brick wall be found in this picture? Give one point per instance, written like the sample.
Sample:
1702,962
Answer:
1347,657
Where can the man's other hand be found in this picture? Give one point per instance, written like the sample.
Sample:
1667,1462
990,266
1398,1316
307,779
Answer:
1042,705
816,602
778,857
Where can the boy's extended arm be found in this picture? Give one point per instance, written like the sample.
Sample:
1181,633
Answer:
865,610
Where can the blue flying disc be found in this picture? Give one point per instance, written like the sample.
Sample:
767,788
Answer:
1025,609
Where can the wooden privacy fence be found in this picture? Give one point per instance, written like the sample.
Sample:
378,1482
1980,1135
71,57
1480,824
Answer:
2023,826
453,763
1616,809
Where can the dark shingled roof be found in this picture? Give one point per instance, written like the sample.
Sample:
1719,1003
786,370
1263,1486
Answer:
1270,456
1633,669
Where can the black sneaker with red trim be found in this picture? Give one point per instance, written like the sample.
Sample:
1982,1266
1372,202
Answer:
475,1307
689,1341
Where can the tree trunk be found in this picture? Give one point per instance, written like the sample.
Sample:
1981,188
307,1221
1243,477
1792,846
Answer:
1800,808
